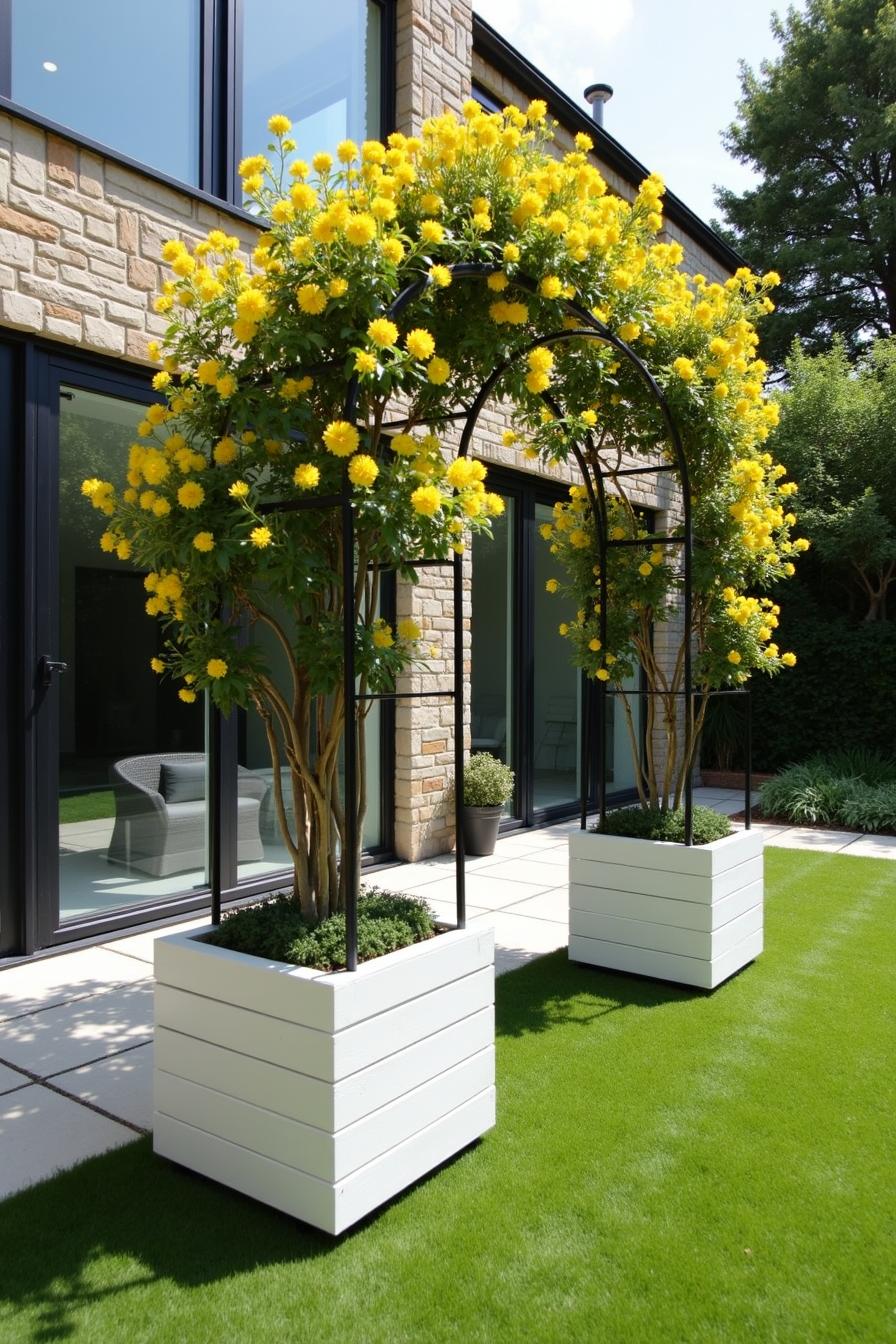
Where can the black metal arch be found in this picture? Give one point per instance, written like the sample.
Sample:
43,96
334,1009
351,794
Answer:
595,483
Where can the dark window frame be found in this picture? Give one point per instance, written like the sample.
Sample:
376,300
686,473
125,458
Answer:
527,489
28,919
220,97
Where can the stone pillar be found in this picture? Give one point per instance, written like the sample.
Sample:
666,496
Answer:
433,57
424,737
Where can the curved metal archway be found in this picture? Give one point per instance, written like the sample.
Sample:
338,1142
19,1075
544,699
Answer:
595,480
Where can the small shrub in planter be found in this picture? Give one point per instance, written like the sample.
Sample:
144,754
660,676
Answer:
487,784
275,929
650,823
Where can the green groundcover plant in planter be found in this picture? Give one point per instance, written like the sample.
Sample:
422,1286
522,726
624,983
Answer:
487,785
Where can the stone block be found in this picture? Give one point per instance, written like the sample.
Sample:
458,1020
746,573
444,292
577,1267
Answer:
61,330
143,274
42,207
128,231
21,222
103,335
62,161
28,157
101,230
16,249
20,310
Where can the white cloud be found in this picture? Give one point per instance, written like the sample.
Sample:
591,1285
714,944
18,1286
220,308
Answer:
568,40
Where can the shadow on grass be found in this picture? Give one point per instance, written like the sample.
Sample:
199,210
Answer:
120,1223
554,991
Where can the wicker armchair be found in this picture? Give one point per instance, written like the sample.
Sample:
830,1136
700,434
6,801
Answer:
161,837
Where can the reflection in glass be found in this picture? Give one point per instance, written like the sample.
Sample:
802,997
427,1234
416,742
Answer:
491,690
132,781
557,687
117,99
620,757
317,64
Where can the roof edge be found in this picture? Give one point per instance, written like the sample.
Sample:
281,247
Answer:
510,62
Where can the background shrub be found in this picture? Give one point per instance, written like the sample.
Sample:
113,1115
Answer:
855,787
843,689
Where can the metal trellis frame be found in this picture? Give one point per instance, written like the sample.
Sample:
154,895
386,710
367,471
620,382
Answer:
587,328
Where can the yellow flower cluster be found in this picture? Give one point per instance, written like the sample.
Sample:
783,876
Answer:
253,395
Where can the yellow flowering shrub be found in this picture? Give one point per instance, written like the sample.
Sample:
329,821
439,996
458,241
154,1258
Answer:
255,410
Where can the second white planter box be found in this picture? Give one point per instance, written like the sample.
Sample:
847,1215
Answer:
323,1094
693,915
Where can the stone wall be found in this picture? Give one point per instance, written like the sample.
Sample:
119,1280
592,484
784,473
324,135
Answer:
80,239
433,58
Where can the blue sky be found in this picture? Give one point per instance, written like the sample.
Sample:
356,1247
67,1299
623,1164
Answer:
673,65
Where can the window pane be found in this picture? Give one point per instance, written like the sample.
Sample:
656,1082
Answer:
493,633
557,691
125,74
318,65
132,772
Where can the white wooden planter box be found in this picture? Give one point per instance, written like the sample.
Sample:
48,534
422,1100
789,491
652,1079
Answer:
673,912
323,1094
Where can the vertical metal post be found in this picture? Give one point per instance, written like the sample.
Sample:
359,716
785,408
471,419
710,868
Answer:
213,735
584,754
748,763
350,866
600,736
459,862
688,668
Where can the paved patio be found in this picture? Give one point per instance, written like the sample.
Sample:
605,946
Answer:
76,1029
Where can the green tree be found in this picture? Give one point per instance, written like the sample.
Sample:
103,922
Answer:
819,126
836,436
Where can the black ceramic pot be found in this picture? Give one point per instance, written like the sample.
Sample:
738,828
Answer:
481,829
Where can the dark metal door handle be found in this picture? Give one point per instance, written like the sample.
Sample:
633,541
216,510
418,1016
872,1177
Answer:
50,667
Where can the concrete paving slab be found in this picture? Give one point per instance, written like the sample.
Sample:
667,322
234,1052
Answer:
121,1084
490,893
32,986
551,905
76,1033
141,945
10,1079
804,837
411,877
42,1133
446,910
519,939
872,847
521,870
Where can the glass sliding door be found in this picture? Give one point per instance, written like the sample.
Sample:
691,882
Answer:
557,685
131,756
527,699
493,701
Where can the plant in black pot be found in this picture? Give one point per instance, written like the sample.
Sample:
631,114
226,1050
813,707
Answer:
488,783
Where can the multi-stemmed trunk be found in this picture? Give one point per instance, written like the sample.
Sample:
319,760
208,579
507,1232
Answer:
305,733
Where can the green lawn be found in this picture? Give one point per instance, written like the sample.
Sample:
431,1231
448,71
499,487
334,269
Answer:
668,1167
